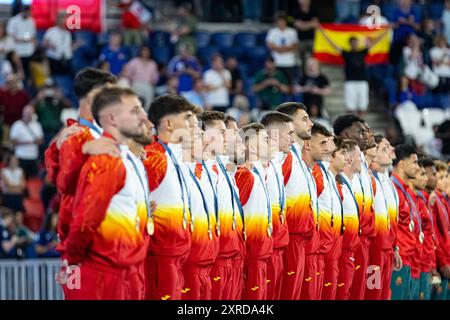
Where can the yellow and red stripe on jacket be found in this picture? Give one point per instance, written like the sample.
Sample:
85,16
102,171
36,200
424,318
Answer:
340,34
204,243
109,226
300,214
382,239
259,244
171,237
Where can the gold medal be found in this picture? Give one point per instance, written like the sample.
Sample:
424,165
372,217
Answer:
421,237
184,223
150,226
244,233
411,226
218,229
233,225
269,230
191,225
210,234
282,217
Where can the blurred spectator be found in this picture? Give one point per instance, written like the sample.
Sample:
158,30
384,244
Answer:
49,105
306,22
218,84
270,84
12,184
440,57
240,110
418,73
58,41
197,96
142,72
446,20
314,85
114,53
16,66
283,43
39,69
22,29
428,35
406,21
8,241
27,135
171,87
405,93
185,27
47,238
443,133
356,86
6,41
185,67
15,239
370,21
434,146
236,76
134,31
347,10
12,99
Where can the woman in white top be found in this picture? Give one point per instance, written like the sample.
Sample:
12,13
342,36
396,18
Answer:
13,184
440,57
6,42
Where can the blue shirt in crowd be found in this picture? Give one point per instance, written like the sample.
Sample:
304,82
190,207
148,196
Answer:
179,64
116,59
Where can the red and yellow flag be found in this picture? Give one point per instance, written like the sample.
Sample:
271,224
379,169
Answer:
340,35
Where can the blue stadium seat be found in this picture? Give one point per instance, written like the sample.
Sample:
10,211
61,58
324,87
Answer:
222,39
232,51
206,53
261,39
388,10
40,35
255,58
435,10
87,38
159,38
246,39
418,10
202,39
162,54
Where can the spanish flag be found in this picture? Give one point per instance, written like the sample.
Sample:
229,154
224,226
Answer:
340,35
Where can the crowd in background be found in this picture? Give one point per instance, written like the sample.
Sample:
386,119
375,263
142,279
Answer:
244,80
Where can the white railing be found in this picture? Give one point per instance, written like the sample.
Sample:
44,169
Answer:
29,280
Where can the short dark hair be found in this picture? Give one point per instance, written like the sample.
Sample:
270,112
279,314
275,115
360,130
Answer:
426,162
317,128
207,117
252,128
346,144
5,212
108,96
229,119
290,108
167,105
402,152
378,138
89,78
275,117
344,122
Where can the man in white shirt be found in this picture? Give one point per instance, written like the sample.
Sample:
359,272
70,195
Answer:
283,43
217,81
22,29
27,135
58,42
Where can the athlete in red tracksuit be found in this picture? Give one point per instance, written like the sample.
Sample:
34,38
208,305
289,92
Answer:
205,239
108,237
